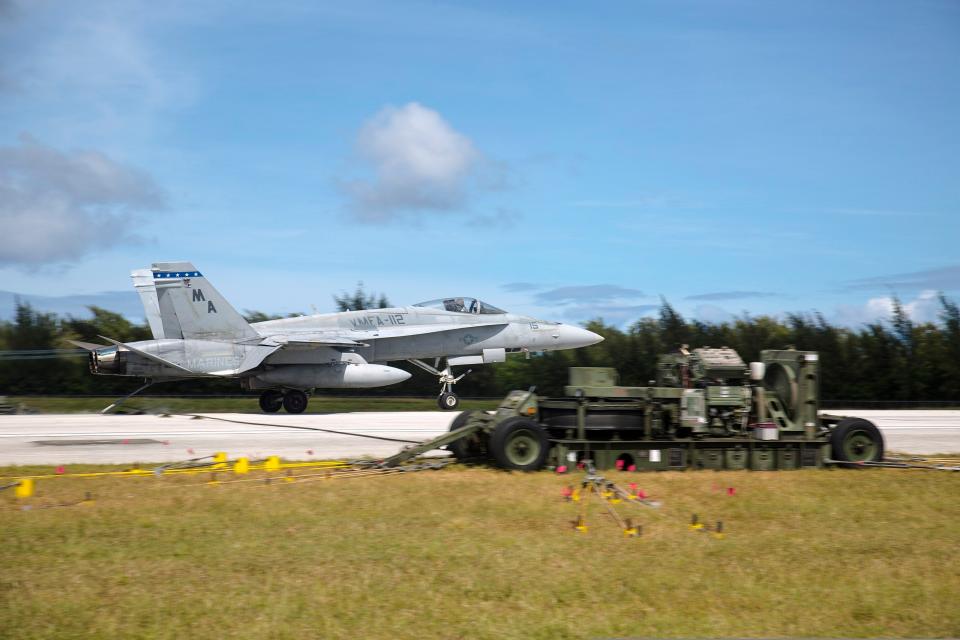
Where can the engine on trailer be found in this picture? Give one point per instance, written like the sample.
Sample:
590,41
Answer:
716,398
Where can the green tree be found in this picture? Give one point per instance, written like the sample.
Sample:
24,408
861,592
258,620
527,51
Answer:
360,300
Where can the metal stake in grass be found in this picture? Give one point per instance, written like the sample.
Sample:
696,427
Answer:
718,532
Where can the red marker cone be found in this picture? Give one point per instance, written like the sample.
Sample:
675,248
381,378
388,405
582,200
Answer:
562,469
731,491
633,487
619,465
60,470
632,467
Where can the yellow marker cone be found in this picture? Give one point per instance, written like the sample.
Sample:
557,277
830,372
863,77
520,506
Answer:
272,464
241,466
24,489
575,496
580,525
695,524
219,460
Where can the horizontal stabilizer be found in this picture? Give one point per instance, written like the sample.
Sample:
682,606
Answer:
149,356
89,346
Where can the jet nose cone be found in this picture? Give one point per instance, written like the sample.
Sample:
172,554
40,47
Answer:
593,338
575,337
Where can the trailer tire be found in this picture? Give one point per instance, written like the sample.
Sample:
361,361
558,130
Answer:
856,440
470,447
519,443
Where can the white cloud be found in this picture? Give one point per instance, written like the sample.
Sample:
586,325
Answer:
418,163
55,206
924,308
712,314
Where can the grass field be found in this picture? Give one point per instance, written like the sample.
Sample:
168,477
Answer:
477,553
318,404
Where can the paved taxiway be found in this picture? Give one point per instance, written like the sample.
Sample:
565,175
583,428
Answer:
93,438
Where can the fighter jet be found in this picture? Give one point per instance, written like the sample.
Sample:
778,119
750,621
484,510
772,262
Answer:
197,334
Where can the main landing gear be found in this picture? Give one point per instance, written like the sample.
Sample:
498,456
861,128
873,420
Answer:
293,400
447,400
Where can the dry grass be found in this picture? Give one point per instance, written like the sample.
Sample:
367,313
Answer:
476,553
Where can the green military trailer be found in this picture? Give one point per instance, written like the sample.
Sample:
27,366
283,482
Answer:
707,409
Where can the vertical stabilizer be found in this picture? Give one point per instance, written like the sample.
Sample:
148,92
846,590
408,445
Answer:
143,283
185,296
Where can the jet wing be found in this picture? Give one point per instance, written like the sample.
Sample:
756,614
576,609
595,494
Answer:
418,329
309,340
347,338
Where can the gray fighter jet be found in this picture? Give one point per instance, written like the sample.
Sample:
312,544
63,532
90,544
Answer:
197,334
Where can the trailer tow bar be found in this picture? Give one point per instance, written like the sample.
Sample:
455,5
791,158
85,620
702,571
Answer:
419,449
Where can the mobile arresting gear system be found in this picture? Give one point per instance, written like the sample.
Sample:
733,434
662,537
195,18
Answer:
706,410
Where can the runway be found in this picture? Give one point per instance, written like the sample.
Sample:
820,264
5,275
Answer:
94,438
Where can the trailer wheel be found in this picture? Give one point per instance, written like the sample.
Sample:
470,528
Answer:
471,447
519,443
856,440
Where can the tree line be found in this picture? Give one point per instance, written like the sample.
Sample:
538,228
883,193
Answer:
895,359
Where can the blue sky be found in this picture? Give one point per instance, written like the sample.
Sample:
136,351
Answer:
569,162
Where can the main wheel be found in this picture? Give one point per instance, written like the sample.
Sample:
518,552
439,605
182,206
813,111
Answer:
295,401
856,440
519,443
470,447
448,401
271,401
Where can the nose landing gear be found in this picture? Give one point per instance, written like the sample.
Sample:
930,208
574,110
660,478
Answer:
447,400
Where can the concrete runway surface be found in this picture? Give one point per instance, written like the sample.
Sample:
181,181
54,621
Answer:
94,438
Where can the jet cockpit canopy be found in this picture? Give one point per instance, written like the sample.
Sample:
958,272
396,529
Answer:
461,305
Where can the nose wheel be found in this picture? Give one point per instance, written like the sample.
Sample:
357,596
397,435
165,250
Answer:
447,400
